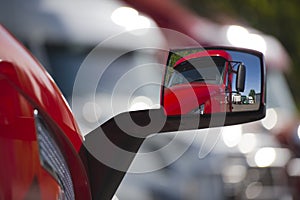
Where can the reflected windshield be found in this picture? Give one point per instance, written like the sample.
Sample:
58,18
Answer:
205,69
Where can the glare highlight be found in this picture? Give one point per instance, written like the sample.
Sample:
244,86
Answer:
234,173
271,119
232,135
129,18
240,37
298,131
264,157
247,143
140,103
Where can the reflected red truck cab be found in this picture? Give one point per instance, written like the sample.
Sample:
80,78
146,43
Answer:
195,76
39,138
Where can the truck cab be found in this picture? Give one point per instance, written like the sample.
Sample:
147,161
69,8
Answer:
196,73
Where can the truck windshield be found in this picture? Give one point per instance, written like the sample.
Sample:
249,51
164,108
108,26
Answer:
205,69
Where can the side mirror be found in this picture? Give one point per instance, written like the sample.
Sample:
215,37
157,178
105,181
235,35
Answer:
240,80
199,82
197,92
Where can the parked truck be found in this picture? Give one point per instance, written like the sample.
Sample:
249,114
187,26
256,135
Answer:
194,73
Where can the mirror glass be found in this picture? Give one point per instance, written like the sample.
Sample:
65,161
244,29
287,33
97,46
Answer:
216,80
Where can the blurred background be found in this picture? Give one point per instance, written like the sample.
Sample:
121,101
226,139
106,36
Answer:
257,160
277,18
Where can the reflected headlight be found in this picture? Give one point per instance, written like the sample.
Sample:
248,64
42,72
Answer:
199,110
52,159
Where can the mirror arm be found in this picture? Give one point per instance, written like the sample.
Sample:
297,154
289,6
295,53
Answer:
105,180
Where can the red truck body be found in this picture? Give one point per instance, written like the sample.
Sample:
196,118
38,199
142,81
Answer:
210,96
26,88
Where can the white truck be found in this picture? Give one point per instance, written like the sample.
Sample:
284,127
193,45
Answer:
237,99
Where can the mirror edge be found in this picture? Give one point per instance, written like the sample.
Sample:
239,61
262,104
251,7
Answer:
175,123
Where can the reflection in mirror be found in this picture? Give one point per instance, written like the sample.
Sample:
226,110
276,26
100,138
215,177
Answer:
199,81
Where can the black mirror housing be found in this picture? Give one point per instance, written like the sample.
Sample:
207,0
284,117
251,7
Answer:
128,130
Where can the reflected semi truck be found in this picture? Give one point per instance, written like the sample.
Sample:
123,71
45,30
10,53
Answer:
196,74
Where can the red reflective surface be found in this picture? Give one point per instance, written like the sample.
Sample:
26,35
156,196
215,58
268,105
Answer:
186,98
26,86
